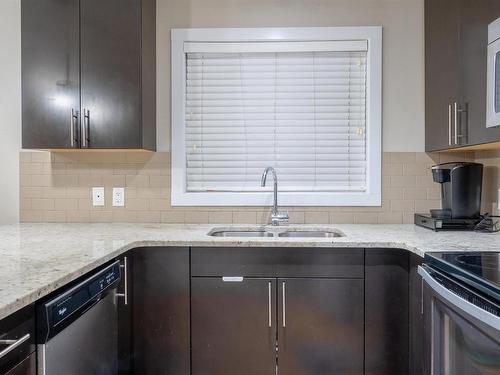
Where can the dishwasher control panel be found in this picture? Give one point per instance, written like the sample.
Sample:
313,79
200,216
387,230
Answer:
66,306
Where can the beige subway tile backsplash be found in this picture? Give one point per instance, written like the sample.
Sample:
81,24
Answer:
56,187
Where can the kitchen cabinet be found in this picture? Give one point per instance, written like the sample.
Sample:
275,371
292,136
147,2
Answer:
88,74
386,311
17,341
456,38
26,367
320,326
416,322
299,309
125,315
442,30
233,326
161,311
50,73
475,17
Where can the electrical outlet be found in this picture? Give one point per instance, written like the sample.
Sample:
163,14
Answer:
98,196
118,197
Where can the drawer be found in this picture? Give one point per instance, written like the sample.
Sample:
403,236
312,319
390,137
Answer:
17,338
277,262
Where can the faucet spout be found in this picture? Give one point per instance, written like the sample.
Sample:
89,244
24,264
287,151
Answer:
276,216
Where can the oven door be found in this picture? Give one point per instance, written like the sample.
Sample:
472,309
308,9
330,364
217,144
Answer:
493,84
464,336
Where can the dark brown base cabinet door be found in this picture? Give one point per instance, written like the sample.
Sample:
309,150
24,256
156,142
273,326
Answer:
320,326
26,367
233,326
124,307
160,311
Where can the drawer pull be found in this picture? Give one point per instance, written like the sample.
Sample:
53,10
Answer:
12,344
232,279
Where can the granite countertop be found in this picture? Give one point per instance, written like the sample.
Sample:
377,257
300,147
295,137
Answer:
36,259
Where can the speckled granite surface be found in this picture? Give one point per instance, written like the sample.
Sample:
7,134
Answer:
39,258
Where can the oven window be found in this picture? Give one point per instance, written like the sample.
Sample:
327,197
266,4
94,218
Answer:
462,348
497,82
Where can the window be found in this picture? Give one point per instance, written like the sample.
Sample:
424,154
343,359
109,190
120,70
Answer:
305,101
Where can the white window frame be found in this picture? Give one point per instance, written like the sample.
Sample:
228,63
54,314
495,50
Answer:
372,196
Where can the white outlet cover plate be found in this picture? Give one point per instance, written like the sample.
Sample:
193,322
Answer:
118,197
98,196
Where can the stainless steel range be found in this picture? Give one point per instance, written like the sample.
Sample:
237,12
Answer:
461,307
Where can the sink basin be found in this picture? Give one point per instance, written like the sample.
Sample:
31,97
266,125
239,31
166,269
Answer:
310,233
240,233
276,232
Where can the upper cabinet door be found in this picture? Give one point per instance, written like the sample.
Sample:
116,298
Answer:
111,73
442,28
320,326
475,18
50,73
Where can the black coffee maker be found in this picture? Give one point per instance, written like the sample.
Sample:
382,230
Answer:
461,185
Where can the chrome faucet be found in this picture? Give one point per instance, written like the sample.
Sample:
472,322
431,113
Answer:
276,216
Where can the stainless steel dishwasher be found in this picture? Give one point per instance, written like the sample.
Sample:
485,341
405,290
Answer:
77,329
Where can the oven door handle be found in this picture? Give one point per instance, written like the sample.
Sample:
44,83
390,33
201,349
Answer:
460,303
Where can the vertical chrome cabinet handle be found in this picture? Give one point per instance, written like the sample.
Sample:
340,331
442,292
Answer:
455,108
124,266
269,302
284,305
85,128
12,344
449,124
72,133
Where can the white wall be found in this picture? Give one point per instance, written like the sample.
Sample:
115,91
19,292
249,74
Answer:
10,109
403,83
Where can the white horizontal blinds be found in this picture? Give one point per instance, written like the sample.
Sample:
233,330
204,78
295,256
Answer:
302,112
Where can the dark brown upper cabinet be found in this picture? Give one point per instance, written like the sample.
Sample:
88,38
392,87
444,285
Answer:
456,38
88,74
441,72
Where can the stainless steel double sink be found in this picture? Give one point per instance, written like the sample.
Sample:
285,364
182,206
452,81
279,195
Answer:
276,232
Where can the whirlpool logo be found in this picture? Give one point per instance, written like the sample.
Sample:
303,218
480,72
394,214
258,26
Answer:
62,311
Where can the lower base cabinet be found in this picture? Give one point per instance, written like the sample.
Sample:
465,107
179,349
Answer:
233,326
320,326
160,311
300,326
386,312
17,343
26,367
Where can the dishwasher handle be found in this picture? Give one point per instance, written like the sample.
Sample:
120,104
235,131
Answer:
124,295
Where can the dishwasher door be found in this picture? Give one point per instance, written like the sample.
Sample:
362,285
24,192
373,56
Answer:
87,346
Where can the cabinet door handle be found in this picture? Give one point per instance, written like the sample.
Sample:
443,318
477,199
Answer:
269,302
124,266
72,133
455,107
86,128
284,305
12,344
449,124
